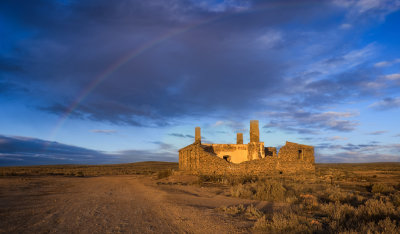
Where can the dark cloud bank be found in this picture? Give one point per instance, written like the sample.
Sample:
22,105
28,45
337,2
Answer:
19,151
225,61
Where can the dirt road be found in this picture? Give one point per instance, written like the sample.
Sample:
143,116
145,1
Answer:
113,204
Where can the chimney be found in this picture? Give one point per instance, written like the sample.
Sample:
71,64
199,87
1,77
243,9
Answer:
239,138
254,131
197,136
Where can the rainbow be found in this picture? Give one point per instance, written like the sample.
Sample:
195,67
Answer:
116,65
140,50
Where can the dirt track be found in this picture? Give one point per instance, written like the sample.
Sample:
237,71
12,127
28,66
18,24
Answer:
113,204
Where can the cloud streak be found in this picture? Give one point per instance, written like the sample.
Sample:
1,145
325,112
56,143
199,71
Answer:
311,122
386,103
376,133
386,63
180,135
105,131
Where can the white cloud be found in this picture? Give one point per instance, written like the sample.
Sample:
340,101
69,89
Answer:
336,138
373,84
382,64
346,26
338,114
356,57
377,133
105,131
213,6
270,38
311,122
345,61
365,5
394,76
236,126
387,103
357,157
358,7
219,123
386,63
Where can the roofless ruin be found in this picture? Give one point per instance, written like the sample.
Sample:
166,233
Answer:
251,158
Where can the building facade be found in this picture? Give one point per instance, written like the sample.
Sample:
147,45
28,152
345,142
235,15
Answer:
250,158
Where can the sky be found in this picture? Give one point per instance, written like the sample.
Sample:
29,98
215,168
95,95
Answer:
93,82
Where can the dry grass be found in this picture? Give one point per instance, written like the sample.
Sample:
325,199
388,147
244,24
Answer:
341,198
164,173
250,212
267,190
142,168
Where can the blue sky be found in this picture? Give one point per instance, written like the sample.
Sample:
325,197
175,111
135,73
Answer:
111,82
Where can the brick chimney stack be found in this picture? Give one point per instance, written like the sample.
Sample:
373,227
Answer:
197,137
239,138
254,131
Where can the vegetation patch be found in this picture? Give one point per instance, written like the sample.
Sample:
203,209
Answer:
140,168
164,174
380,188
260,190
340,199
250,212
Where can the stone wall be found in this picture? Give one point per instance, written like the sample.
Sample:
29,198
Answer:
296,152
270,152
256,150
238,153
197,159
235,153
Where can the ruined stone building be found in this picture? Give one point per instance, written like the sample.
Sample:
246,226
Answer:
251,158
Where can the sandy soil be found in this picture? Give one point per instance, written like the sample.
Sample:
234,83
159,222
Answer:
115,204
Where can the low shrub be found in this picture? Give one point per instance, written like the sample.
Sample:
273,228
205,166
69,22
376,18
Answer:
79,174
227,180
381,188
164,174
286,222
253,213
308,201
250,212
375,210
340,215
233,210
261,190
396,199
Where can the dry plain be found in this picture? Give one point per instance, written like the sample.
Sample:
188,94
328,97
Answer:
153,197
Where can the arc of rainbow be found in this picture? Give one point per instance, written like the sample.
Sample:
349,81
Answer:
123,60
117,64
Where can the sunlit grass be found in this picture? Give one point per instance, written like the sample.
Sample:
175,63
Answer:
142,168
